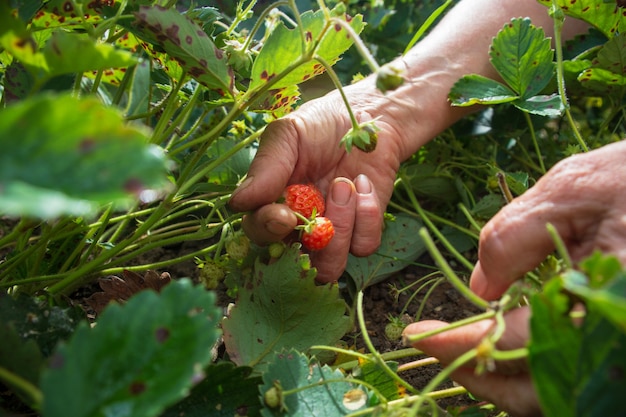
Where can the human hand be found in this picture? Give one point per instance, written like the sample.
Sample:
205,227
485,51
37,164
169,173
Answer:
303,147
582,196
508,385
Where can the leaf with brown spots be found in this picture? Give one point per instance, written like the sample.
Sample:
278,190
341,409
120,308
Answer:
186,42
278,102
141,357
284,47
602,14
121,289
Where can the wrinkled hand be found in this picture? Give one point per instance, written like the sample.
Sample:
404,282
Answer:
583,196
509,385
303,147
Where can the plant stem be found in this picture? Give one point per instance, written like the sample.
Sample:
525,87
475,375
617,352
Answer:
561,248
504,187
34,395
417,364
559,17
456,282
533,136
333,76
455,325
431,226
370,346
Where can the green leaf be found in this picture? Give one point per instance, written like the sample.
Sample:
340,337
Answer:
607,74
372,373
400,246
565,358
284,47
476,89
225,391
138,359
41,323
543,105
309,389
522,56
187,43
62,155
604,290
606,16
553,351
283,307
63,53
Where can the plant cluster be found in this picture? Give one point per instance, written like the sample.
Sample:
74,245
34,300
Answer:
126,125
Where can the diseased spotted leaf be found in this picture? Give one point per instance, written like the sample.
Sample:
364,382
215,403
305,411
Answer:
284,48
603,15
139,358
187,43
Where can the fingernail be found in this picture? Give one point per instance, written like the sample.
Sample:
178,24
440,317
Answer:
342,191
363,185
277,228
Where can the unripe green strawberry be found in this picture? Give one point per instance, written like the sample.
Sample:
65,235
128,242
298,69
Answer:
389,77
211,274
364,137
237,246
276,249
305,199
394,329
318,234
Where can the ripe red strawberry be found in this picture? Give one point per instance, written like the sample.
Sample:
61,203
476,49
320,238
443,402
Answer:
318,234
304,199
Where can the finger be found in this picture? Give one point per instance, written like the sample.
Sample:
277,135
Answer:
449,345
270,223
271,168
510,387
369,219
340,209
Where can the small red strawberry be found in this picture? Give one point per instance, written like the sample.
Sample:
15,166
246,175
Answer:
318,233
305,199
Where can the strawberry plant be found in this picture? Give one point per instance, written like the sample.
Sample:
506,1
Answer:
125,127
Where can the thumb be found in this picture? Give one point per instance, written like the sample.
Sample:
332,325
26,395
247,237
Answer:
271,168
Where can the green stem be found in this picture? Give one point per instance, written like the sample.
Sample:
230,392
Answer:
370,346
260,21
533,136
435,230
337,83
411,339
171,106
559,17
33,394
360,45
456,282
470,218
561,248
181,118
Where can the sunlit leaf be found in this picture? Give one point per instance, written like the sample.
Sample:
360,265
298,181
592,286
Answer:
284,47
522,56
187,43
605,15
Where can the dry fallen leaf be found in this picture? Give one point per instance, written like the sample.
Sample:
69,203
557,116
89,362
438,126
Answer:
121,289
